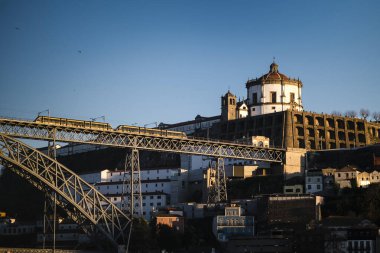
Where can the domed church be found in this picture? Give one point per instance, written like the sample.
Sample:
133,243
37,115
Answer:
274,109
273,92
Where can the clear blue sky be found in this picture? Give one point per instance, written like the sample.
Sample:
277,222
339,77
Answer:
167,61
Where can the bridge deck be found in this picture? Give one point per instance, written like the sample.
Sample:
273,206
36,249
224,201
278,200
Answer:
77,131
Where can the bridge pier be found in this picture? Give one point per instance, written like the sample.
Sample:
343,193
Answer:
217,182
132,184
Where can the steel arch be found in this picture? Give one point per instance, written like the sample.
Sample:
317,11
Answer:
83,203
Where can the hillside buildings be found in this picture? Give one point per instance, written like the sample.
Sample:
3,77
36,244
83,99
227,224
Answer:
159,188
233,223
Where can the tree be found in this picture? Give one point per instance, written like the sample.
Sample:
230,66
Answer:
168,238
351,114
364,113
376,116
190,238
371,201
336,113
140,237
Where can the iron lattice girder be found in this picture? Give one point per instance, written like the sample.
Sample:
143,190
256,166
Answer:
221,180
217,179
33,130
79,199
132,183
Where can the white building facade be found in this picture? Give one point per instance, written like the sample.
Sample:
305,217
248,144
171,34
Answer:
313,181
273,92
159,187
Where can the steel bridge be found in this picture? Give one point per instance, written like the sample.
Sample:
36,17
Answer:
83,203
141,141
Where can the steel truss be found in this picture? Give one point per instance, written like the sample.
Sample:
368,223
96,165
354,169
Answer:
132,184
83,203
40,131
217,182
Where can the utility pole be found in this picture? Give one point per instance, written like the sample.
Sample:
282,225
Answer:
100,117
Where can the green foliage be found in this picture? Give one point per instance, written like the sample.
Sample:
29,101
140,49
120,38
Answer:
371,203
141,237
359,202
168,239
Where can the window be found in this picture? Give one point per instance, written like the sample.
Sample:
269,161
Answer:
273,96
254,98
318,187
309,187
253,109
338,174
151,204
151,197
158,197
292,97
144,204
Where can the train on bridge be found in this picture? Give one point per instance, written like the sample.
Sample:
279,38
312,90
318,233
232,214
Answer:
106,126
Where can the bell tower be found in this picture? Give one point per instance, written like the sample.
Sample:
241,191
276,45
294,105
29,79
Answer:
228,102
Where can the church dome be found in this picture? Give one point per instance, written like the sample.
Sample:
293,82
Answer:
273,73
273,76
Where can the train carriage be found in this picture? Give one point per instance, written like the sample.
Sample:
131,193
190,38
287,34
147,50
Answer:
151,131
73,123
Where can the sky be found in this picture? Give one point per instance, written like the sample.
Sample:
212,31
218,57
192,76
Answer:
139,62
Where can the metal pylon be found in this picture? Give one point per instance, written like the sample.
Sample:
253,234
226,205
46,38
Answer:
132,184
211,184
48,221
217,182
50,207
